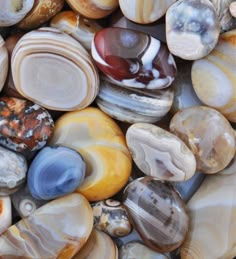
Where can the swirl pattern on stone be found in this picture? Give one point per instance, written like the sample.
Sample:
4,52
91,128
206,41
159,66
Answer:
159,153
55,172
157,212
133,59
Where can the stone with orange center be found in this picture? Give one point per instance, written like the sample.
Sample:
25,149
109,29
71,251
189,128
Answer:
102,145
5,213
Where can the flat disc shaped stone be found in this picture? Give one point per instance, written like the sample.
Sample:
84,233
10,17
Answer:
157,212
133,59
159,153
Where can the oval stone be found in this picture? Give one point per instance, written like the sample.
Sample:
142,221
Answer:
159,153
209,136
3,62
5,214
133,59
54,172
157,212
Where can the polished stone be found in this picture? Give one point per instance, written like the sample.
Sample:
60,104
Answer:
5,213
3,62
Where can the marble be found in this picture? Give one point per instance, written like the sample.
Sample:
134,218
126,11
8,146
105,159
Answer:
42,11
189,35
159,153
158,213
13,169
3,62
78,27
54,172
139,251
24,203
24,126
102,145
213,77
110,216
134,105
133,59
52,75
99,245
212,226
144,12
94,9
58,229
5,213
13,11
209,136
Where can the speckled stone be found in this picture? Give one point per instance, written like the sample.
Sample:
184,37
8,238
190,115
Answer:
157,212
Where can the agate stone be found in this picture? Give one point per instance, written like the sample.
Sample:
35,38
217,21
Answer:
157,212
133,59
3,62
5,213
54,172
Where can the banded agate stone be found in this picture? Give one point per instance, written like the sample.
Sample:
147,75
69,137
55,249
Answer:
133,59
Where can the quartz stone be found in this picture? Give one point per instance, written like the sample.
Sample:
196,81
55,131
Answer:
52,75
42,11
189,35
208,134
144,12
157,212
24,126
212,225
78,27
58,229
134,105
13,168
13,11
94,9
3,62
99,245
102,145
110,216
5,214
213,77
133,59
159,153
55,172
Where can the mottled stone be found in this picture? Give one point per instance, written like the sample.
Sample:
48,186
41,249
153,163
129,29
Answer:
144,12
102,145
13,168
133,59
3,62
5,214
134,105
208,134
157,212
110,216
55,172
214,79
159,153
56,230
24,126
189,34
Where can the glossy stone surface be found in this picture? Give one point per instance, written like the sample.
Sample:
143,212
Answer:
13,11
132,237
55,172
189,35
212,225
94,9
102,145
144,12
232,9
159,153
208,134
78,27
51,75
110,216
57,230
157,212
24,126
3,62
133,59
13,168
134,105
5,213
213,77
99,245
42,11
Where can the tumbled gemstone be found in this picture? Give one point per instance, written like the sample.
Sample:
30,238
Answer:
5,213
